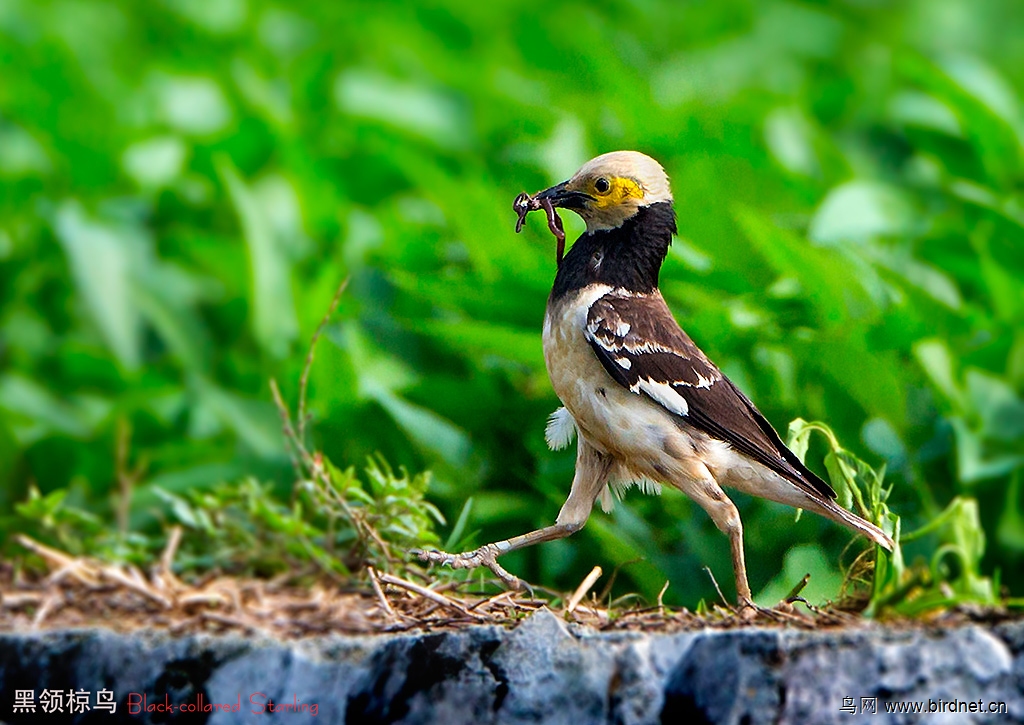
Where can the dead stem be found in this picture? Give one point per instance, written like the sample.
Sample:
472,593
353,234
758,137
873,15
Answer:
164,571
50,604
381,596
126,478
583,588
429,594
309,466
717,588
301,456
661,598
304,378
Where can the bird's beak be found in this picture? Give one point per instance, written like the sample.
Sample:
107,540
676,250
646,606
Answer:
560,195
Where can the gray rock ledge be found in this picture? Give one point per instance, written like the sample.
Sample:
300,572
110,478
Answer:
541,672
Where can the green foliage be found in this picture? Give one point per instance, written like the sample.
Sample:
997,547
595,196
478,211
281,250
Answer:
183,184
953,574
244,528
70,526
858,486
395,506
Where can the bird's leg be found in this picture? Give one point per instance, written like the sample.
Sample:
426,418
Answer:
700,485
723,512
591,474
487,554
727,519
739,564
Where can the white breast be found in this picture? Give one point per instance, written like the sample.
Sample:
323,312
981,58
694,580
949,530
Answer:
613,419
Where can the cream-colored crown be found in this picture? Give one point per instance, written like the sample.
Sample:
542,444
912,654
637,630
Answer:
647,172
637,180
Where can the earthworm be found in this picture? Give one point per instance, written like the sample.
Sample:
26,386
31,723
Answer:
525,203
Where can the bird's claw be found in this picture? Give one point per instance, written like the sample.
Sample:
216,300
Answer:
486,555
748,610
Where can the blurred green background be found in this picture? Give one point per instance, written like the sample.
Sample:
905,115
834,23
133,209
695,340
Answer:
183,184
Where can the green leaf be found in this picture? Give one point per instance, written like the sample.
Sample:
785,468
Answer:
858,211
182,510
791,138
378,373
35,412
155,162
432,113
178,326
1010,532
1000,408
935,358
841,476
982,102
271,304
194,105
427,429
455,537
975,459
23,155
482,338
41,508
103,258
256,422
824,276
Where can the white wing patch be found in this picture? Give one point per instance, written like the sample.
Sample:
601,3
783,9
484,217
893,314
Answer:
663,394
702,382
642,347
647,346
561,429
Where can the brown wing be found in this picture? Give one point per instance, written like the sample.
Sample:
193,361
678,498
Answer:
643,348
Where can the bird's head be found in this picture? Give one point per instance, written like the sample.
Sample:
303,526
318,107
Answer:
611,188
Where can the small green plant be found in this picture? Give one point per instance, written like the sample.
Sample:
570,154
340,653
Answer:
77,531
388,512
337,522
953,574
242,527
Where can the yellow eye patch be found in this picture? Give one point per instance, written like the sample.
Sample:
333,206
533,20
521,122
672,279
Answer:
613,191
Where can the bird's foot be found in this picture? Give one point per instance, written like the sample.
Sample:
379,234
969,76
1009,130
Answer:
749,611
486,555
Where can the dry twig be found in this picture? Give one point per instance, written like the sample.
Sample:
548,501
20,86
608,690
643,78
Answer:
381,596
661,598
430,594
583,588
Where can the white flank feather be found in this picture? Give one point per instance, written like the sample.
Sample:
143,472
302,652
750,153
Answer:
620,480
646,485
561,429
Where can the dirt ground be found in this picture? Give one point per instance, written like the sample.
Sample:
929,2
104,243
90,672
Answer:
79,592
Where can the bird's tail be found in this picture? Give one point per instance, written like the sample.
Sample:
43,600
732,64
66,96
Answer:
837,513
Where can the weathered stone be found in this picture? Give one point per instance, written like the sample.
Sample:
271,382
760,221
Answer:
543,671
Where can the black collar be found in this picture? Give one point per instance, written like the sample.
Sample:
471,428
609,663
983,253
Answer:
629,256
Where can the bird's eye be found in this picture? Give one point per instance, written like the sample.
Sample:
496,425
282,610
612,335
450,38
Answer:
601,186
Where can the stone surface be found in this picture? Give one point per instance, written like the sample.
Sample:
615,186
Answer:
541,672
